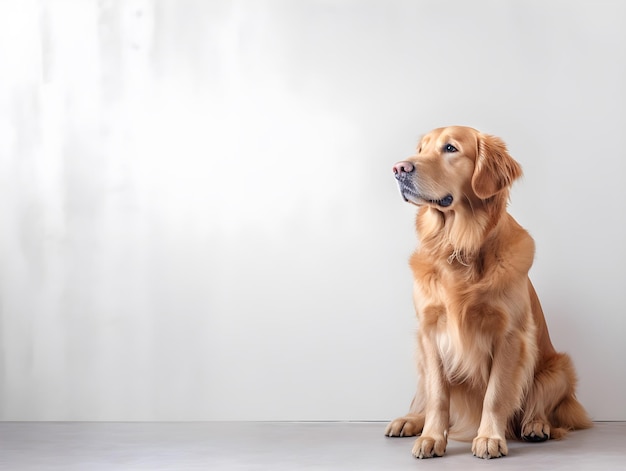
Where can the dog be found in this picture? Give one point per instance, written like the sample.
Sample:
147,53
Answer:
487,368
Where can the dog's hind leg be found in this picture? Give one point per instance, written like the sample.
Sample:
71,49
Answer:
551,408
409,425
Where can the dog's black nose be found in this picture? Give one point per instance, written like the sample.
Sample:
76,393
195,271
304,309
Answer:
403,167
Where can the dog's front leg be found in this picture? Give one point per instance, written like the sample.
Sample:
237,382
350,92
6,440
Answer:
434,436
502,398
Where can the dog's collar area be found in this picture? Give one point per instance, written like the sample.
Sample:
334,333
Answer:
458,255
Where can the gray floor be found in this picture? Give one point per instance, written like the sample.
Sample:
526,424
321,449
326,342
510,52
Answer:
279,446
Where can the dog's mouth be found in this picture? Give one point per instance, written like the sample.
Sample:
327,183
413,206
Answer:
411,196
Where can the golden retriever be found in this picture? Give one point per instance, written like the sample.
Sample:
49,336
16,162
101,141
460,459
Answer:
487,367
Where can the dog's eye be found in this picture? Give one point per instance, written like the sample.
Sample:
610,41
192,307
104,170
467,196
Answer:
450,148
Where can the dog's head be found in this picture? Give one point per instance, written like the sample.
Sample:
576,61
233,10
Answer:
455,166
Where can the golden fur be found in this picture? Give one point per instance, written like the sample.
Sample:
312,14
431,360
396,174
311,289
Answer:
487,367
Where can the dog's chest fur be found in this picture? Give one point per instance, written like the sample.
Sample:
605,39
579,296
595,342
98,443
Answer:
455,316
465,303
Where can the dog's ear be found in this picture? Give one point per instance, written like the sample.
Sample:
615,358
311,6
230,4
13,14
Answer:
495,169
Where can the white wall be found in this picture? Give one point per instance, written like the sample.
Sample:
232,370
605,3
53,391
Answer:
198,218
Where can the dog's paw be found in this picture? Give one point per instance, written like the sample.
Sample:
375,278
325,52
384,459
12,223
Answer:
429,447
407,426
536,431
489,447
